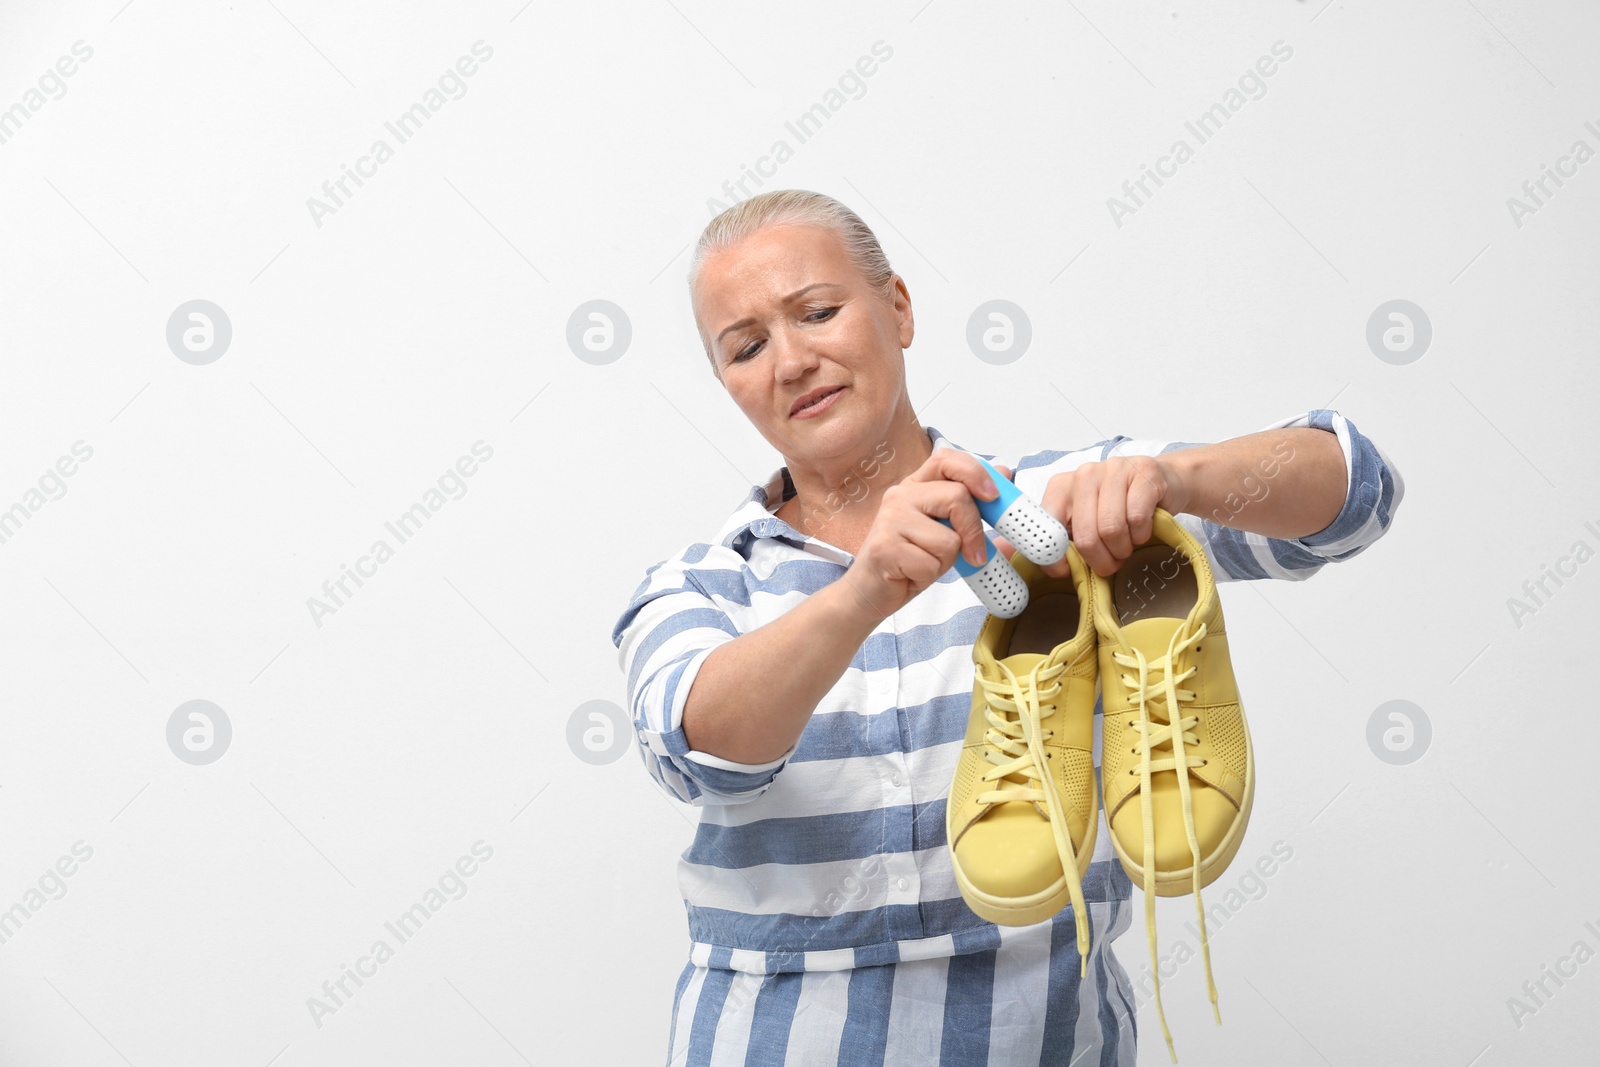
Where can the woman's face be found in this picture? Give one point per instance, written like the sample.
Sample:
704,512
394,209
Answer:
785,313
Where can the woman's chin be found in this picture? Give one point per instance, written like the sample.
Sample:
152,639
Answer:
833,437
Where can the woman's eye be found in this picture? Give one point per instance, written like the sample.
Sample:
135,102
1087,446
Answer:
744,354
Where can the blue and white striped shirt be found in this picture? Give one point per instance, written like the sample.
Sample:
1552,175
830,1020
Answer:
833,856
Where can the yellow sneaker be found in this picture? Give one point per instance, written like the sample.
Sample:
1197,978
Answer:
1021,817
1175,761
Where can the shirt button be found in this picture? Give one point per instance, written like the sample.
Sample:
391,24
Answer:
896,781
901,883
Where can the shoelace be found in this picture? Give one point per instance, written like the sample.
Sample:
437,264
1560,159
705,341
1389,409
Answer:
1014,743
1147,695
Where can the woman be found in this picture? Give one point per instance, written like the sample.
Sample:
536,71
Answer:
805,676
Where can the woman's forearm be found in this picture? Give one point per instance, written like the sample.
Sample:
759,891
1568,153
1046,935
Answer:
1278,483
754,695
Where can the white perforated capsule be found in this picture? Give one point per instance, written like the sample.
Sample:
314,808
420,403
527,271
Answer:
1035,532
999,587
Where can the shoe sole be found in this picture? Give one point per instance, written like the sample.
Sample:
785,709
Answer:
1025,911
1181,882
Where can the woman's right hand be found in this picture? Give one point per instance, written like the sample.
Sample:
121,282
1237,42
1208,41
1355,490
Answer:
907,548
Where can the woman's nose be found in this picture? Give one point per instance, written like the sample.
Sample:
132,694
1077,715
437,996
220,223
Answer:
795,356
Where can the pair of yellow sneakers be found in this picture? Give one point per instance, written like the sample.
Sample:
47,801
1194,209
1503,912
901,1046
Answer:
1177,775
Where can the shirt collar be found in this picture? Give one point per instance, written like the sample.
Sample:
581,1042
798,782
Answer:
754,517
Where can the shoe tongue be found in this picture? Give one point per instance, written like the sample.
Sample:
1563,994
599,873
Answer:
1151,636
1021,663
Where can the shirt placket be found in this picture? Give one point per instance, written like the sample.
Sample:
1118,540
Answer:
901,835
903,882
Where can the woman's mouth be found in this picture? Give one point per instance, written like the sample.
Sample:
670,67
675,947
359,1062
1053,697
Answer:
818,406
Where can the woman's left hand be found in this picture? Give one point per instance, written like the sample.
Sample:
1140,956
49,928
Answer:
1107,507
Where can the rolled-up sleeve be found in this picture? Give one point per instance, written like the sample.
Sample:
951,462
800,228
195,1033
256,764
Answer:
1373,490
671,625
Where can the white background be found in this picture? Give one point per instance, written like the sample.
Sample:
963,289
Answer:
430,312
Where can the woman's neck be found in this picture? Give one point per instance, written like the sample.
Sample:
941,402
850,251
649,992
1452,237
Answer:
839,506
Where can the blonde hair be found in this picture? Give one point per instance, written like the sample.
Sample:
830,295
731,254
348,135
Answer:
795,207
